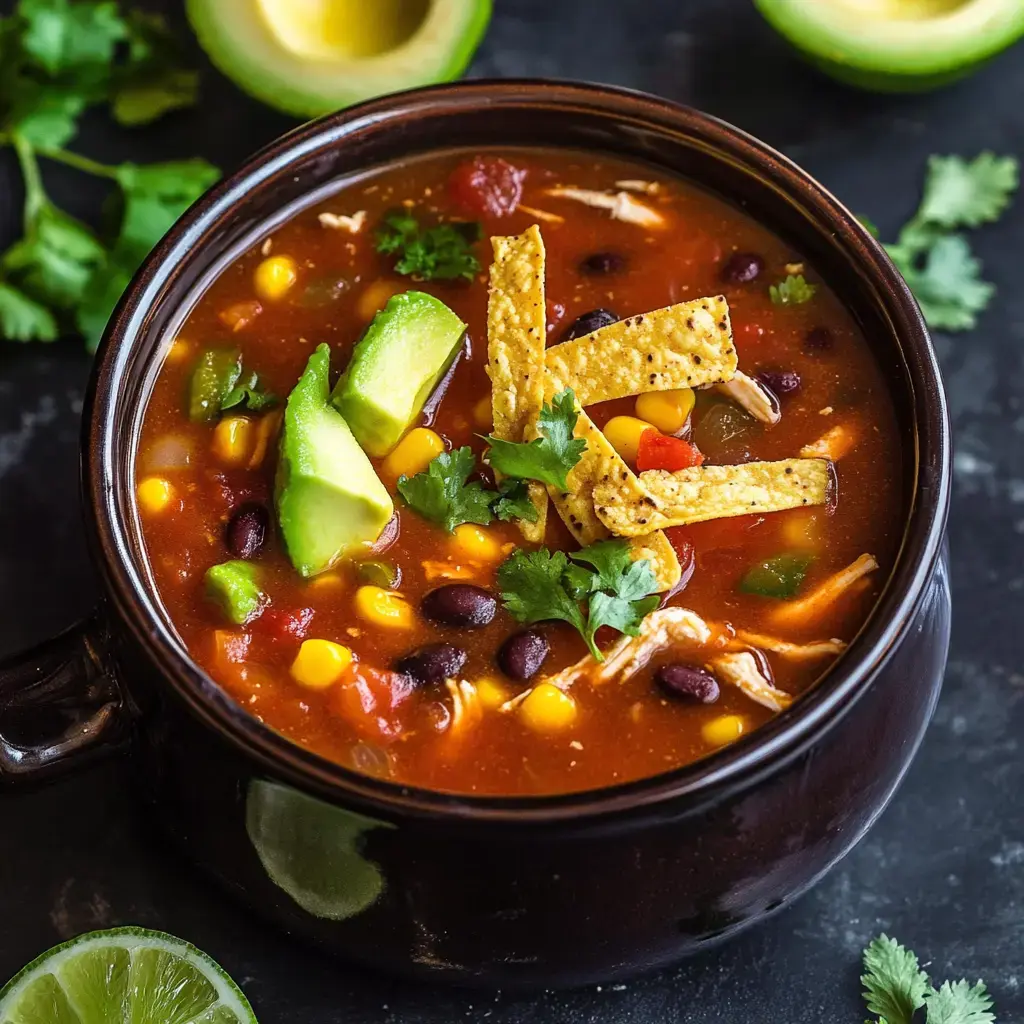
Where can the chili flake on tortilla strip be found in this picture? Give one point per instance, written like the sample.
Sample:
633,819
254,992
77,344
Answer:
686,345
516,340
660,499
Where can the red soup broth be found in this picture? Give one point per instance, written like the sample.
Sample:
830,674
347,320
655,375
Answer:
620,730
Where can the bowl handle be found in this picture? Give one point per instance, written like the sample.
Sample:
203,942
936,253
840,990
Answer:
60,705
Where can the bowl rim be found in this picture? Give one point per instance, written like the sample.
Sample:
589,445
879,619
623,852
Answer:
740,764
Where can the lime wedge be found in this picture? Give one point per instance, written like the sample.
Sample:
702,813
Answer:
123,976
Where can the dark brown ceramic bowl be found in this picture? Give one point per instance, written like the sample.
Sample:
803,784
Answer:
497,892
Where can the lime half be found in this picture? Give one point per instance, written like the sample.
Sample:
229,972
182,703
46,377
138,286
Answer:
123,976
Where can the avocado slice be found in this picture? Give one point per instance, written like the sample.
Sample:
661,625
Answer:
897,45
235,587
327,494
398,362
313,57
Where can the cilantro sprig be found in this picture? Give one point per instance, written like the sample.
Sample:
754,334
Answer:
793,291
443,252
938,263
60,58
542,585
895,988
548,458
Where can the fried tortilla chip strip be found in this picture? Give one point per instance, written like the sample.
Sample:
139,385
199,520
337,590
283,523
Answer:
825,594
516,339
685,345
708,492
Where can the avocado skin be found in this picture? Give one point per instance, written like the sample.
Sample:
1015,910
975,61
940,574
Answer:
327,494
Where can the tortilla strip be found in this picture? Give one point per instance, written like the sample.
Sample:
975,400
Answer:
825,594
753,397
516,340
686,345
708,492
742,670
576,504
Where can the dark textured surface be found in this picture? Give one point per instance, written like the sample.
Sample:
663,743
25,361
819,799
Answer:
944,867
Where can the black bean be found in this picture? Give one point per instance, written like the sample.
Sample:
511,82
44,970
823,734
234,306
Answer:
432,663
460,604
742,268
588,322
599,263
689,681
819,339
780,382
246,531
522,654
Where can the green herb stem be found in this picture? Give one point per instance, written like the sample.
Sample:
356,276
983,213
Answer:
79,162
35,194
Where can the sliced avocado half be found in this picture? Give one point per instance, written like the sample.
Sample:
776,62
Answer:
897,45
309,57
328,496
398,362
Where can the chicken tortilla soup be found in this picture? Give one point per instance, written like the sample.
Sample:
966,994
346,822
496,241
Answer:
518,473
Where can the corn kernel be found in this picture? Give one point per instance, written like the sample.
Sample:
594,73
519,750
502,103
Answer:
320,663
375,297
233,439
383,608
548,709
491,693
667,410
801,529
178,352
723,730
623,434
155,494
327,581
483,414
274,277
476,543
412,454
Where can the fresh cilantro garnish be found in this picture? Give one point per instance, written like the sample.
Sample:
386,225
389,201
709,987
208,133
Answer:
793,291
513,502
441,492
895,988
59,58
937,264
549,457
542,585
249,394
443,252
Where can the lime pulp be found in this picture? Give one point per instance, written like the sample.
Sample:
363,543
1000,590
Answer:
123,976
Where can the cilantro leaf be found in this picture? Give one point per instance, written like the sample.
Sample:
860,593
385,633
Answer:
249,394
793,291
531,587
443,252
608,558
62,37
46,116
946,281
959,1003
894,984
513,502
22,319
960,193
548,458
440,493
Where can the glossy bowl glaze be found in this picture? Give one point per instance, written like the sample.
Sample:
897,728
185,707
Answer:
523,892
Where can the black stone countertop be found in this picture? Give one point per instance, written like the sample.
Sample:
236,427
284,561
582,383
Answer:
943,869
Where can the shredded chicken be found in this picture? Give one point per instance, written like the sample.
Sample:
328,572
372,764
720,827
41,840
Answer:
741,669
533,211
514,702
752,396
836,442
628,655
651,188
825,594
353,224
466,707
621,205
787,649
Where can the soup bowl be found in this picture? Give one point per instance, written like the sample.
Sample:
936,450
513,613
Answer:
498,892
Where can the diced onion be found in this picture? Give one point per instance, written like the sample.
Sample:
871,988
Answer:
171,452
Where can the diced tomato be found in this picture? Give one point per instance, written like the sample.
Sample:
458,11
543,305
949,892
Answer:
368,699
285,625
660,451
487,185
